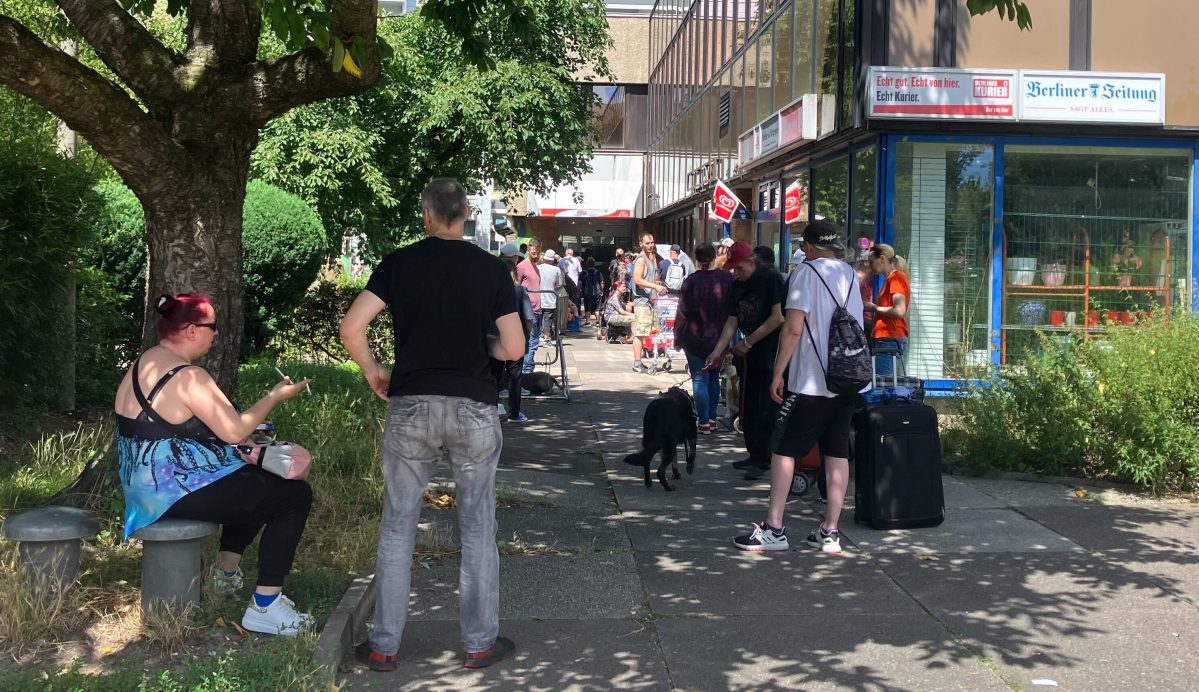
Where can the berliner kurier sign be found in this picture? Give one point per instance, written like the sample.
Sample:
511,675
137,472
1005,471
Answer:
922,93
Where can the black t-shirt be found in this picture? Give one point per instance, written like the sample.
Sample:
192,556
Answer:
444,297
751,302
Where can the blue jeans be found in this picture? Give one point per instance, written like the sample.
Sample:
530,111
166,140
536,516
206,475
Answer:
534,340
882,364
706,385
418,428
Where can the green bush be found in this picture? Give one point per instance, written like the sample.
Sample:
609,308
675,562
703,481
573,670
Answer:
1122,407
117,250
284,246
312,334
45,208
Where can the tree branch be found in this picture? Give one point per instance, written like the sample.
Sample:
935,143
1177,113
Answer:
112,122
129,50
222,32
307,76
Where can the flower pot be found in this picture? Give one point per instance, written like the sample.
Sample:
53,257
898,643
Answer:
1053,274
1093,318
1057,318
1021,271
1031,313
1125,317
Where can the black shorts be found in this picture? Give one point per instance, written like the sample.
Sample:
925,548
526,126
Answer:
805,420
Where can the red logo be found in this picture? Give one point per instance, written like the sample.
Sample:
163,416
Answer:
992,88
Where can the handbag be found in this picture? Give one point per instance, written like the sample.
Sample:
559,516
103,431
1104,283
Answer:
284,459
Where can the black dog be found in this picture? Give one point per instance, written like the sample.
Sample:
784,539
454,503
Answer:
669,419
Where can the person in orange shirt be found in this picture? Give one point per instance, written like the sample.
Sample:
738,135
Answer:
894,301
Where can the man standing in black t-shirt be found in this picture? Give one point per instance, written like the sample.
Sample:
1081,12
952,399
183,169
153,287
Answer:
756,309
448,299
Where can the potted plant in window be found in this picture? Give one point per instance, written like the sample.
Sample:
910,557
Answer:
1126,261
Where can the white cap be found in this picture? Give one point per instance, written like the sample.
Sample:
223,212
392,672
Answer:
509,250
549,256
798,257
726,242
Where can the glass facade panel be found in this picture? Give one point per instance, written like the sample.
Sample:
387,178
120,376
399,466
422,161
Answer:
849,27
765,70
1099,234
830,192
742,113
783,41
827,40
862,206
943,226
803,48
795,230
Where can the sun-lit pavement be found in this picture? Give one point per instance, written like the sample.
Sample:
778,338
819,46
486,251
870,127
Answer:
615,586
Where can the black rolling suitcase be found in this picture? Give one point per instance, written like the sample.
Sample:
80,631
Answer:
897,470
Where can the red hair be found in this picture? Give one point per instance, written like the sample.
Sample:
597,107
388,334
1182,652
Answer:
178,311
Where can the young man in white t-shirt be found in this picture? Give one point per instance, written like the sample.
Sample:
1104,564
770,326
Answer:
810,413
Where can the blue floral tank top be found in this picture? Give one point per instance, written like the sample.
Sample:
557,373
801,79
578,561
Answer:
161,462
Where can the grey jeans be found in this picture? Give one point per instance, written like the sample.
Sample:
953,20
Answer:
418,429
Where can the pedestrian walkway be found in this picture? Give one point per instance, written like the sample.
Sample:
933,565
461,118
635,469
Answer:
615,586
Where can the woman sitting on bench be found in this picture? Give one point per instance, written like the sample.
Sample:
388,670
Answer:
175,435
618,318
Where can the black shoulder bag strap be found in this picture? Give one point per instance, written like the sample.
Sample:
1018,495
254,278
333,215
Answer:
147,407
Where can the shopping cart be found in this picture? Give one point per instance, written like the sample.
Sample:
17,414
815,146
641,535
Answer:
660,344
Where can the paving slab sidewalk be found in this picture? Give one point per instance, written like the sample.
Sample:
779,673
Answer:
607,584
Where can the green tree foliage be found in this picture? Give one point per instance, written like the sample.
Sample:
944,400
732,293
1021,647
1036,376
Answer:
284,243
45,208
362,162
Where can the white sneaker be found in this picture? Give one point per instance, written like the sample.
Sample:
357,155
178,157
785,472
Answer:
763,539
225,584
502,411
280,617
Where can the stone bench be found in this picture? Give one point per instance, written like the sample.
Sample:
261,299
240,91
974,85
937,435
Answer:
48,542
171,573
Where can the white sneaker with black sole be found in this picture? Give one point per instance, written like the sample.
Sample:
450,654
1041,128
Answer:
763,539
827,541
280,617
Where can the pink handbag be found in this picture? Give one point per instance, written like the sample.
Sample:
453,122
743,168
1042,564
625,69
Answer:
285,459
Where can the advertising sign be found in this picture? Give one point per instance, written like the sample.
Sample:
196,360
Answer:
1093,97
724,202
937,93
768,135
747,147
793,203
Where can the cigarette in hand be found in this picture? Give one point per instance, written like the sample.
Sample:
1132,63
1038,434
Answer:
306,387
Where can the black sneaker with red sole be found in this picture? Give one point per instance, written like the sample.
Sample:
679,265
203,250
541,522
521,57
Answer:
501,649
374,660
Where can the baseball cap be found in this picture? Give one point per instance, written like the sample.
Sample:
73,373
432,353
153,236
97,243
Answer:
798,257
549,256
726,242
738,253
509,250
676,248
823,235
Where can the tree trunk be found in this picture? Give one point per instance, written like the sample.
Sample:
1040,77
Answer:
193,242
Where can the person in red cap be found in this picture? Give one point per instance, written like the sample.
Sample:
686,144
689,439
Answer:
756,309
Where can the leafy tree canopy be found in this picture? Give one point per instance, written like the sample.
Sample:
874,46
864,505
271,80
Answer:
524,121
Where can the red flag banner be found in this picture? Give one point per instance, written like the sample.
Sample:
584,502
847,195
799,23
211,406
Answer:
724,202
793,203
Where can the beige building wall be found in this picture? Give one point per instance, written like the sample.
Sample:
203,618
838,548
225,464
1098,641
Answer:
629,55
910,39
1159,36
991,41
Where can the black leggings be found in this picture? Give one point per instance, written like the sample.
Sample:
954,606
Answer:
244,502
507,374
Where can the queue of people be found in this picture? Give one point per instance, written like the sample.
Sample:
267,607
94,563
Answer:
173,421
